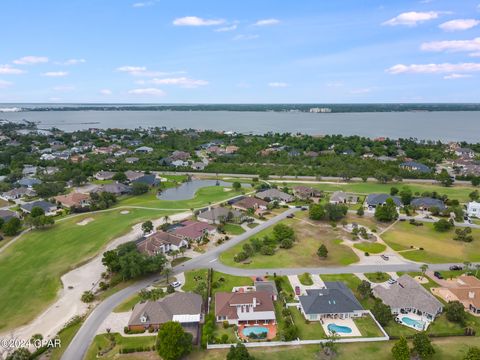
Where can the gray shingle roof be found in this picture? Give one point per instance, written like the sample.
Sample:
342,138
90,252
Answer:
428,202
407,293
275,194
335,299
44,205
379,199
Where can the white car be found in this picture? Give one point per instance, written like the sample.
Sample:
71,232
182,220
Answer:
176,284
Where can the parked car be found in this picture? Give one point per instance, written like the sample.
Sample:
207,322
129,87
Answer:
385,257
297,290
176,284
438,275
455,267
391,281
290,216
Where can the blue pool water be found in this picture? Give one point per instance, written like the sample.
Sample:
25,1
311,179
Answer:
257,330
413,323
339,329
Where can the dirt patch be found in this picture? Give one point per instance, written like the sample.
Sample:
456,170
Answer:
124,212
421,279
227,189
85,221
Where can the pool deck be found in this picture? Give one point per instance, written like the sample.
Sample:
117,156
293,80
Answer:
341,322
413,317
272,331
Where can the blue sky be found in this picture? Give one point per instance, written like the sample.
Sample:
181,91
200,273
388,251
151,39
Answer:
249,51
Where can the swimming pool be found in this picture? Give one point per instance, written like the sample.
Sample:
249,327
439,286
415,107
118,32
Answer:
255,330
339,329
417,324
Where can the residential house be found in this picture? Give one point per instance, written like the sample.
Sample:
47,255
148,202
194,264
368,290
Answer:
198,166
231,149
29,170
245,308
179,163
312,154
6,215
182,307
249,202
408,296
427,204
144,150
160,242
18,193
133,175
221,214
49,208
465,289
415,166
473,209
116,188
341,197
374,200
191,230
29,182
104,175
268,287
73,199
336,300
275,195
131,160
306,192
465,153
148,179
180,155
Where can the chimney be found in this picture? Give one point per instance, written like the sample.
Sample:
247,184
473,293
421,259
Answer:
471,295
254,302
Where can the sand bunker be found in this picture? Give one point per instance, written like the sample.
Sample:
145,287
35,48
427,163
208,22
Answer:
124,212
85,221
227,189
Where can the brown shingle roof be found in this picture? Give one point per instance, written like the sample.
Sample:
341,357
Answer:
225,300
72,199
250,203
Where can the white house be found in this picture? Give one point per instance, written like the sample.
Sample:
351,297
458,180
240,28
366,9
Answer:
473,209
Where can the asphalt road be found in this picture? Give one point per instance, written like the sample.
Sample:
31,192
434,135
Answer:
84,337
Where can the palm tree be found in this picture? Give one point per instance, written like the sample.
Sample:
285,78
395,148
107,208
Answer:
166,218
167,272
424,269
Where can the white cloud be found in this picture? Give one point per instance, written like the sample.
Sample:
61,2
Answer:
459,24
64,88
335,84
267,22
180,81
412,18
278,84
55,73
72,62
434,68
106,92
246,37
197,21
9,70
142,4
31,60
147,91
4,84
360,91
456,76
227,28
142,71
453,46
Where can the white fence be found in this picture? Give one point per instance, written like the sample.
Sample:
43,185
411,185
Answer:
385,337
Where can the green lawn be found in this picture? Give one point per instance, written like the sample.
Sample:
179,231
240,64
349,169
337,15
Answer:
253,225
445,349
225,282
379,277
305,279
100,342
127,304
66,336
349,279
233,229
304,251
363,188
367,326
307,331
179,260
439,247
204,196
371,248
